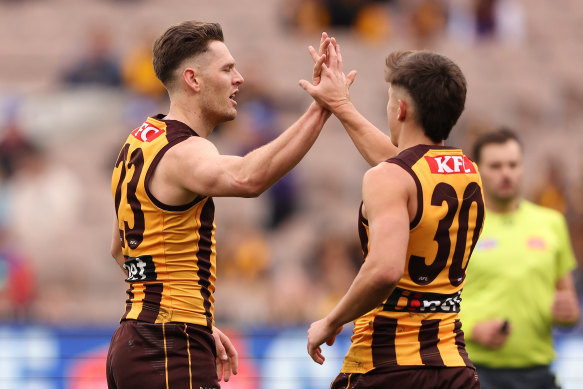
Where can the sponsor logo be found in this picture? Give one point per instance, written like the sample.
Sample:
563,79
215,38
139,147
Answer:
536,243
147,132
450,164
140,268
405,300
486,244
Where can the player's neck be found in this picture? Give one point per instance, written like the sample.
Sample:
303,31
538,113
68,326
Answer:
190,115
413,135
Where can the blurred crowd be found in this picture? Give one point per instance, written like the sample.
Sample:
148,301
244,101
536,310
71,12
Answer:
289,255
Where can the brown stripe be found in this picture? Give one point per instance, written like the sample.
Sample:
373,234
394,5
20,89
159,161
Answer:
149,174
461,343
151,302
128,301
207,217
406,165
383,341
428,339
362,224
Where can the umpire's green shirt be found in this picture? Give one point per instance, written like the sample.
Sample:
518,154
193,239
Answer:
511,275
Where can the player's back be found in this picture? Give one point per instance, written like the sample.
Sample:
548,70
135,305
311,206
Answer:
418,324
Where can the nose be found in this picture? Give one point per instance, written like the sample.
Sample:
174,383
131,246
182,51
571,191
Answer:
238,80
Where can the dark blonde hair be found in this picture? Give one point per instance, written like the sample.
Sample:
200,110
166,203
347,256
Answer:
436,85
179,42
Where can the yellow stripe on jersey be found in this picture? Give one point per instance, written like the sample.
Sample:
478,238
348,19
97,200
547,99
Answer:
418,325
169,250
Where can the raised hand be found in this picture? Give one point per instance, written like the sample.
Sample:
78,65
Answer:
330,84
319,57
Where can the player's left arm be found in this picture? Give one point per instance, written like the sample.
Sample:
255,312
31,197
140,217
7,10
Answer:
385,191
116,252
565,307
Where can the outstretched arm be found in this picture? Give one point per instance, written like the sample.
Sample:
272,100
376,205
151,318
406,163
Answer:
196,165
331,91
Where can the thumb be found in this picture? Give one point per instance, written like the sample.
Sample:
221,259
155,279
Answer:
307,86
351,76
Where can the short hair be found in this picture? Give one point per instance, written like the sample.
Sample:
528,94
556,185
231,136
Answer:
179,42
500,136
436,85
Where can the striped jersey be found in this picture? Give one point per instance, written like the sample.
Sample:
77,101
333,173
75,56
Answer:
418,324
169,250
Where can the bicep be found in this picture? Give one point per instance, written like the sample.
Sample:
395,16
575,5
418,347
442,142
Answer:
199,168
385,198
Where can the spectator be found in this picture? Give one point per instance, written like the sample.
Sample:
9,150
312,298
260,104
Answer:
519,277
98,65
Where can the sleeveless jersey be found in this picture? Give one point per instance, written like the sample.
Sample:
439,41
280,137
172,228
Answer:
169,250
418,324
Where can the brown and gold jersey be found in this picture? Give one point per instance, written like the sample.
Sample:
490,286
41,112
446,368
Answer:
418,324
169,250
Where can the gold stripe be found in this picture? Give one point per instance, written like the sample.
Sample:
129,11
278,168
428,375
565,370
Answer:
165,355
349,377
188,350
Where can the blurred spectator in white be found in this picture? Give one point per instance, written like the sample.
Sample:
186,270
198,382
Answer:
502,21
97,65
44,204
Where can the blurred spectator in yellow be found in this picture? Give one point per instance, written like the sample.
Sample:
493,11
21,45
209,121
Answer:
551,189
336,263
373,23
428,19
138,71
97,65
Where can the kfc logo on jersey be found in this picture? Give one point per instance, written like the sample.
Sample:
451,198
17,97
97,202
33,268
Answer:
147,132
450,164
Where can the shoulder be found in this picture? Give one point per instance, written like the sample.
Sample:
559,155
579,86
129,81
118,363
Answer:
536,210
193,147
387,176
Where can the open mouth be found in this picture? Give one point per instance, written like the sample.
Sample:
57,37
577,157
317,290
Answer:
232,97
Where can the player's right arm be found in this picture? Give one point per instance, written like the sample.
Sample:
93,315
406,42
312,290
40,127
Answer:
197,166
386,190
332,93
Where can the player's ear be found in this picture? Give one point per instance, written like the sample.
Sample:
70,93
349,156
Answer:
403,108
191,78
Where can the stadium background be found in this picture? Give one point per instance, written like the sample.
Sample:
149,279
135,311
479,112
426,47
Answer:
72,85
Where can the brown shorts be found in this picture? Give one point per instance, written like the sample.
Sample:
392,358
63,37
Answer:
424,377
171,355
